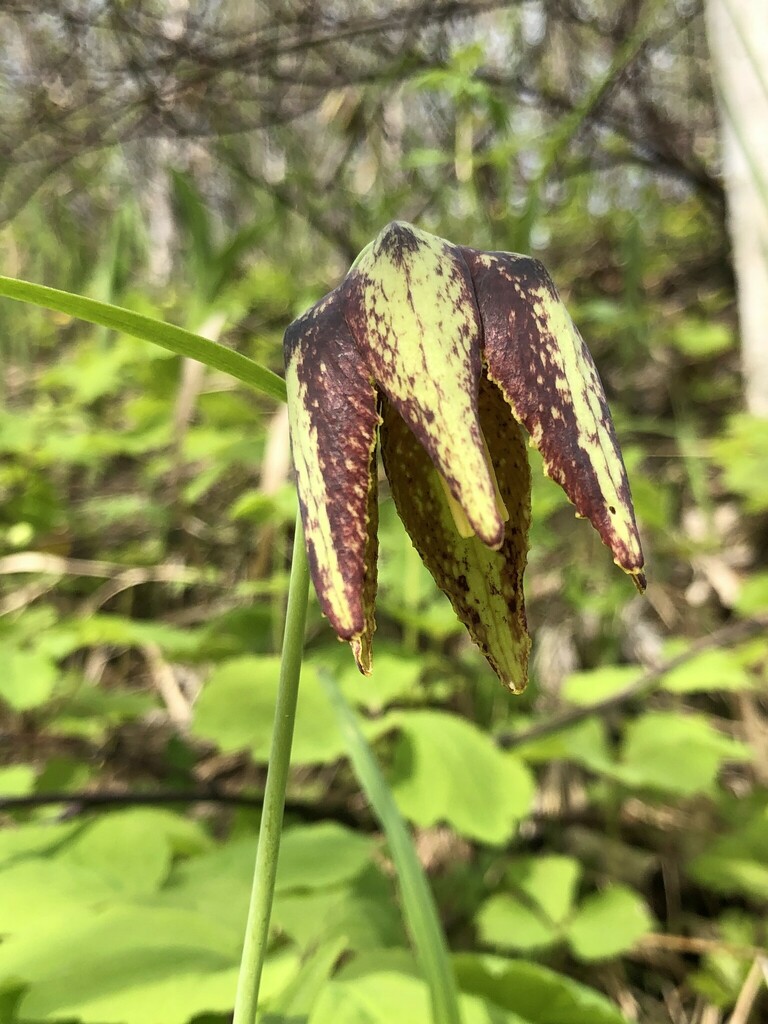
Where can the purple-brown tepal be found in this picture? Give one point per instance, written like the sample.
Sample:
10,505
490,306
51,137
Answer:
445,354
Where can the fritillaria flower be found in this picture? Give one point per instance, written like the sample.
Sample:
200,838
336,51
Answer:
441,355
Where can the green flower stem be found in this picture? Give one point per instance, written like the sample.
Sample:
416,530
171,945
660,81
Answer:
262,893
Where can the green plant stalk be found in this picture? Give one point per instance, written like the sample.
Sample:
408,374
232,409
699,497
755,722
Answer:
147,328
262,893
418,903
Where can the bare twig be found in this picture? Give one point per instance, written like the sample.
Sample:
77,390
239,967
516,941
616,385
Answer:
106,800
728,636
755,981
177,705
25,596
699,945
120,578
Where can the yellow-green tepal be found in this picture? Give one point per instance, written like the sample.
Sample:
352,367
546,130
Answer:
445,351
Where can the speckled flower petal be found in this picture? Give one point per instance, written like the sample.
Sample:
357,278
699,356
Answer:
411,307
333,418
485,587
545,371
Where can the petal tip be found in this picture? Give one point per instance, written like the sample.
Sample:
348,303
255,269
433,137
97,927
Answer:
361,652
636,572
491,533
516,686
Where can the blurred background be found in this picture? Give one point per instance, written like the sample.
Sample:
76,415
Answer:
598,847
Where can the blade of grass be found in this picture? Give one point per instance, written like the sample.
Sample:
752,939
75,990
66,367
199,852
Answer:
418,903
168,336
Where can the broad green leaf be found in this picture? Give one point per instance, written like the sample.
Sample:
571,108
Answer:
711,670
132,965
322,855
598,683
17,780
742,454
10,997
132,849
753,598
62,774
702,339
737,863
396,678
26,840
585,743
37,890
386,996
118,631
732,875
28,678
548,881
88,710
363,913
506,923
675,753
173,999
537,994
547,885
121,856
394,959
237,705
723,971
216,885
296,1000
432,782
608,923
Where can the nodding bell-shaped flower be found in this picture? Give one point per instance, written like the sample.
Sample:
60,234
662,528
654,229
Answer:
446,353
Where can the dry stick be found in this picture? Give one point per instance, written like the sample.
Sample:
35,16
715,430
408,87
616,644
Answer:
26,595
26,562
177,705
109,798
750,990
119,577
698,945
41,561
725,637
79,801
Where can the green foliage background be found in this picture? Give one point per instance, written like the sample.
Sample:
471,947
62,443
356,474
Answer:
587,861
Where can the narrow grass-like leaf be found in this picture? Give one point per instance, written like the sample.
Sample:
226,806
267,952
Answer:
147,328
418,904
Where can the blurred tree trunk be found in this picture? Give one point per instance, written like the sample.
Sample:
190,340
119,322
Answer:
158,156
738,37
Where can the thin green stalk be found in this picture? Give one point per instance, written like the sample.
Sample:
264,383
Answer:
262,893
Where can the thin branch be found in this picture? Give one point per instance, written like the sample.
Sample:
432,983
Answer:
728,636
755,981
698,945
77,802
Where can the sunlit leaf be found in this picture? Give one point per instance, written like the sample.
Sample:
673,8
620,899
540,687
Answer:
432,783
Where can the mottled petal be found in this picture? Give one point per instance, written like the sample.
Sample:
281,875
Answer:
333,417
485,587
411,308
545,371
